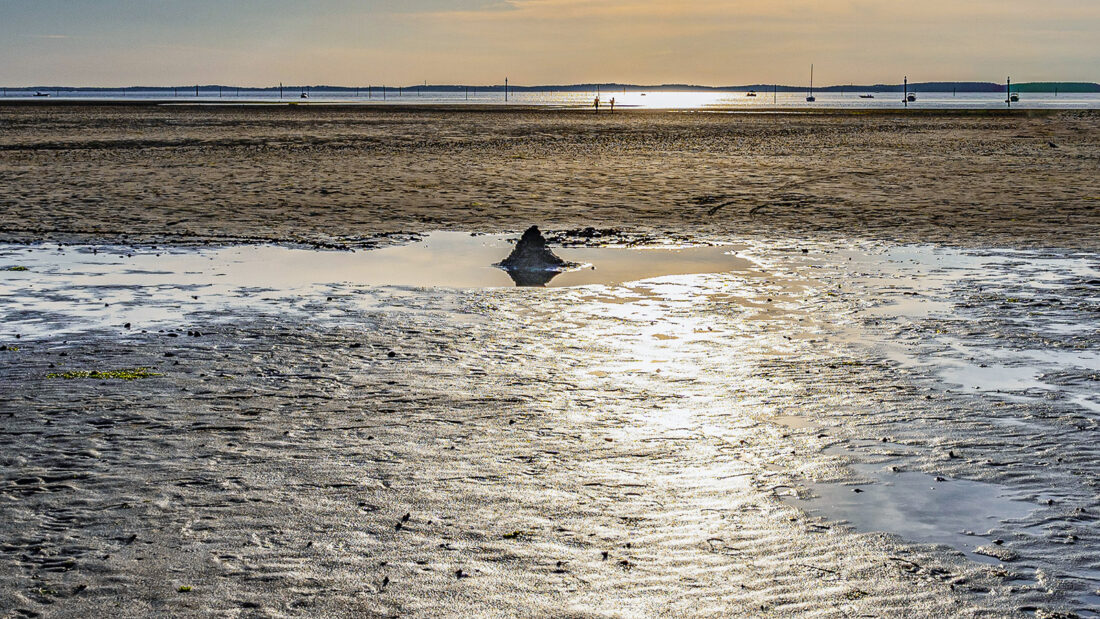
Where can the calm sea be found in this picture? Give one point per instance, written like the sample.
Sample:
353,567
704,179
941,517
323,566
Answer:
629,98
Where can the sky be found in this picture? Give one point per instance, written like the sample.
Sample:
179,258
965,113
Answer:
404,42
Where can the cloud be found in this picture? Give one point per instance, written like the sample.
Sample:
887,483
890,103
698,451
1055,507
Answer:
863,11
552,41
737,41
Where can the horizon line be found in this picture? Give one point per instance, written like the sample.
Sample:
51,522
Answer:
609,85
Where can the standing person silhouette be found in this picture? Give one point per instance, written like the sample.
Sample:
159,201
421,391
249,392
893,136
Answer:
612,105
596,104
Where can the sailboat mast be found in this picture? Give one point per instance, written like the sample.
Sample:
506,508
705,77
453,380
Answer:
811,80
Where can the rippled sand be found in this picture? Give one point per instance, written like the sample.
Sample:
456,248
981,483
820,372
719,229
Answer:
678,446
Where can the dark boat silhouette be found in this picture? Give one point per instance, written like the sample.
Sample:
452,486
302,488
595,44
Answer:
867,96
1013,97
811,98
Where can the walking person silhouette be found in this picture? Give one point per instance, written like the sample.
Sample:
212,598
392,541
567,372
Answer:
596,104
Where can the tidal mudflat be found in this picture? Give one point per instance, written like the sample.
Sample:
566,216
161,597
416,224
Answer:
700,442
709,422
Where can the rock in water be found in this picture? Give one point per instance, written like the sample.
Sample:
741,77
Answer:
531,254
531,263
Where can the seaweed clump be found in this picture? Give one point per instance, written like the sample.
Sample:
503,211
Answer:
126,374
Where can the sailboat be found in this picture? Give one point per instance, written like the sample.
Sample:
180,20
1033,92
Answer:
811,98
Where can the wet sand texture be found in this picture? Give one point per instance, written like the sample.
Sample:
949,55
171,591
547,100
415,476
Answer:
616,452
315,174
498,453
282,471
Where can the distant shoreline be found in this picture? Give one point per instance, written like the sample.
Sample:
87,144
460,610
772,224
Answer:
963,87
379,106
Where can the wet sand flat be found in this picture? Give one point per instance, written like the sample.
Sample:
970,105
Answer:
337,174
627,450
710,442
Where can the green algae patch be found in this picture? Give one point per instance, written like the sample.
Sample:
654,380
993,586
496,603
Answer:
856,594
15,268
128,374
6,348
184,589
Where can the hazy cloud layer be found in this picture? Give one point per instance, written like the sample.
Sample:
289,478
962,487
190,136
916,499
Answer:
255,42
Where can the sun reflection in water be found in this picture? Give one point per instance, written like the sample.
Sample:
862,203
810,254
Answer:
696,338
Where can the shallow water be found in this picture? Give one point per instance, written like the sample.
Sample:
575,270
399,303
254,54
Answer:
917,506
1004,322
624,99
73,286
440,259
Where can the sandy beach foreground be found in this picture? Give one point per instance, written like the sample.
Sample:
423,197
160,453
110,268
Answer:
906,316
